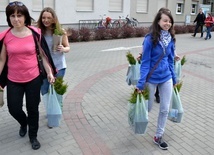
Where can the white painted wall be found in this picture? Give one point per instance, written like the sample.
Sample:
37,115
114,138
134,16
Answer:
67,14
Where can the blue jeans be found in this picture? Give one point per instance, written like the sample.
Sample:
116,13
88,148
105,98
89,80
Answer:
208,32
45,85
165,92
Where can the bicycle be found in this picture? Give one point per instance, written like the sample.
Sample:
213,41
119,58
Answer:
133,22
104,23
100,24
118,23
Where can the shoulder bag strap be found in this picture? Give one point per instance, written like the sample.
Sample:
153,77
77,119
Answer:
151,72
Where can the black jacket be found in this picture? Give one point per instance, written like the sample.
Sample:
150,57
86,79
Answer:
200,18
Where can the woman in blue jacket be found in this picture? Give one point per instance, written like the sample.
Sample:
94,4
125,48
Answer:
157,68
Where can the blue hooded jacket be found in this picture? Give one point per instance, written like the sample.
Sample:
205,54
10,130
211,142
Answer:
165,69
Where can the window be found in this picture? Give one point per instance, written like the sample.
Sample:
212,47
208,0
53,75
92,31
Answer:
142,6
194,8
179,7
3,5
38,5
84,5
115,5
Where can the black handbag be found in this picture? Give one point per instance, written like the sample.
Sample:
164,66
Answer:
42,71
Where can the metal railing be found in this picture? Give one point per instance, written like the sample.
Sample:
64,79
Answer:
90,24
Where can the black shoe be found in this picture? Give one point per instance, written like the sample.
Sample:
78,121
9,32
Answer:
50,127
157,99
193,35
159,141
205,38
23,131
35,143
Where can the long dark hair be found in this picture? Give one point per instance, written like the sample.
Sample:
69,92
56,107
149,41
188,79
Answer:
18,7
156,29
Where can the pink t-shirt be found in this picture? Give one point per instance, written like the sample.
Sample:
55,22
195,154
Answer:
22,58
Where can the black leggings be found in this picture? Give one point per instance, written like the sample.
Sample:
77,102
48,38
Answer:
157,92
15,94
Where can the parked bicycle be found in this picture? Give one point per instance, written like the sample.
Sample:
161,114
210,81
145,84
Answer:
133,22
104,23
118,23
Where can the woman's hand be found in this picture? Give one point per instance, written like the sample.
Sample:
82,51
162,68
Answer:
60,48
139,57
138,90
177,58
51,78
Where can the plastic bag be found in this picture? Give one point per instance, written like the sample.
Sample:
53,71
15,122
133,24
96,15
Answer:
141,115
1,98
176,110
54,112
131,112
60,98
178,70
133,74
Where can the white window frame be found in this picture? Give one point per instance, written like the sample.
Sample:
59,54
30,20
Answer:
3,5
38,5
194,8
116,5
142,6
180,7
84,5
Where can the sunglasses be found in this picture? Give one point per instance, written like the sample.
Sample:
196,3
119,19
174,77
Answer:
16,3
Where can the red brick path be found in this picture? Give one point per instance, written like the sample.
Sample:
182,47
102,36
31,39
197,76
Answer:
89,142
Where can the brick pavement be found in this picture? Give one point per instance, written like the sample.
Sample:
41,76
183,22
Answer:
95,107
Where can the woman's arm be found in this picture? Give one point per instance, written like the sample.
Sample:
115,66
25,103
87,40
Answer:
47,67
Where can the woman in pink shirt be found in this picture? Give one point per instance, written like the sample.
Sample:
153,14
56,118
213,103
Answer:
18,53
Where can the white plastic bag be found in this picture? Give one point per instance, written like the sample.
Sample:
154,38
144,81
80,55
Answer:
176,110
1,98
54,112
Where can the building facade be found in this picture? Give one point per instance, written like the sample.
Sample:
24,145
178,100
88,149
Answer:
72,12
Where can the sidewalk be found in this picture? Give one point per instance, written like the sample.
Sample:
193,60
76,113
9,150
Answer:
95,106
